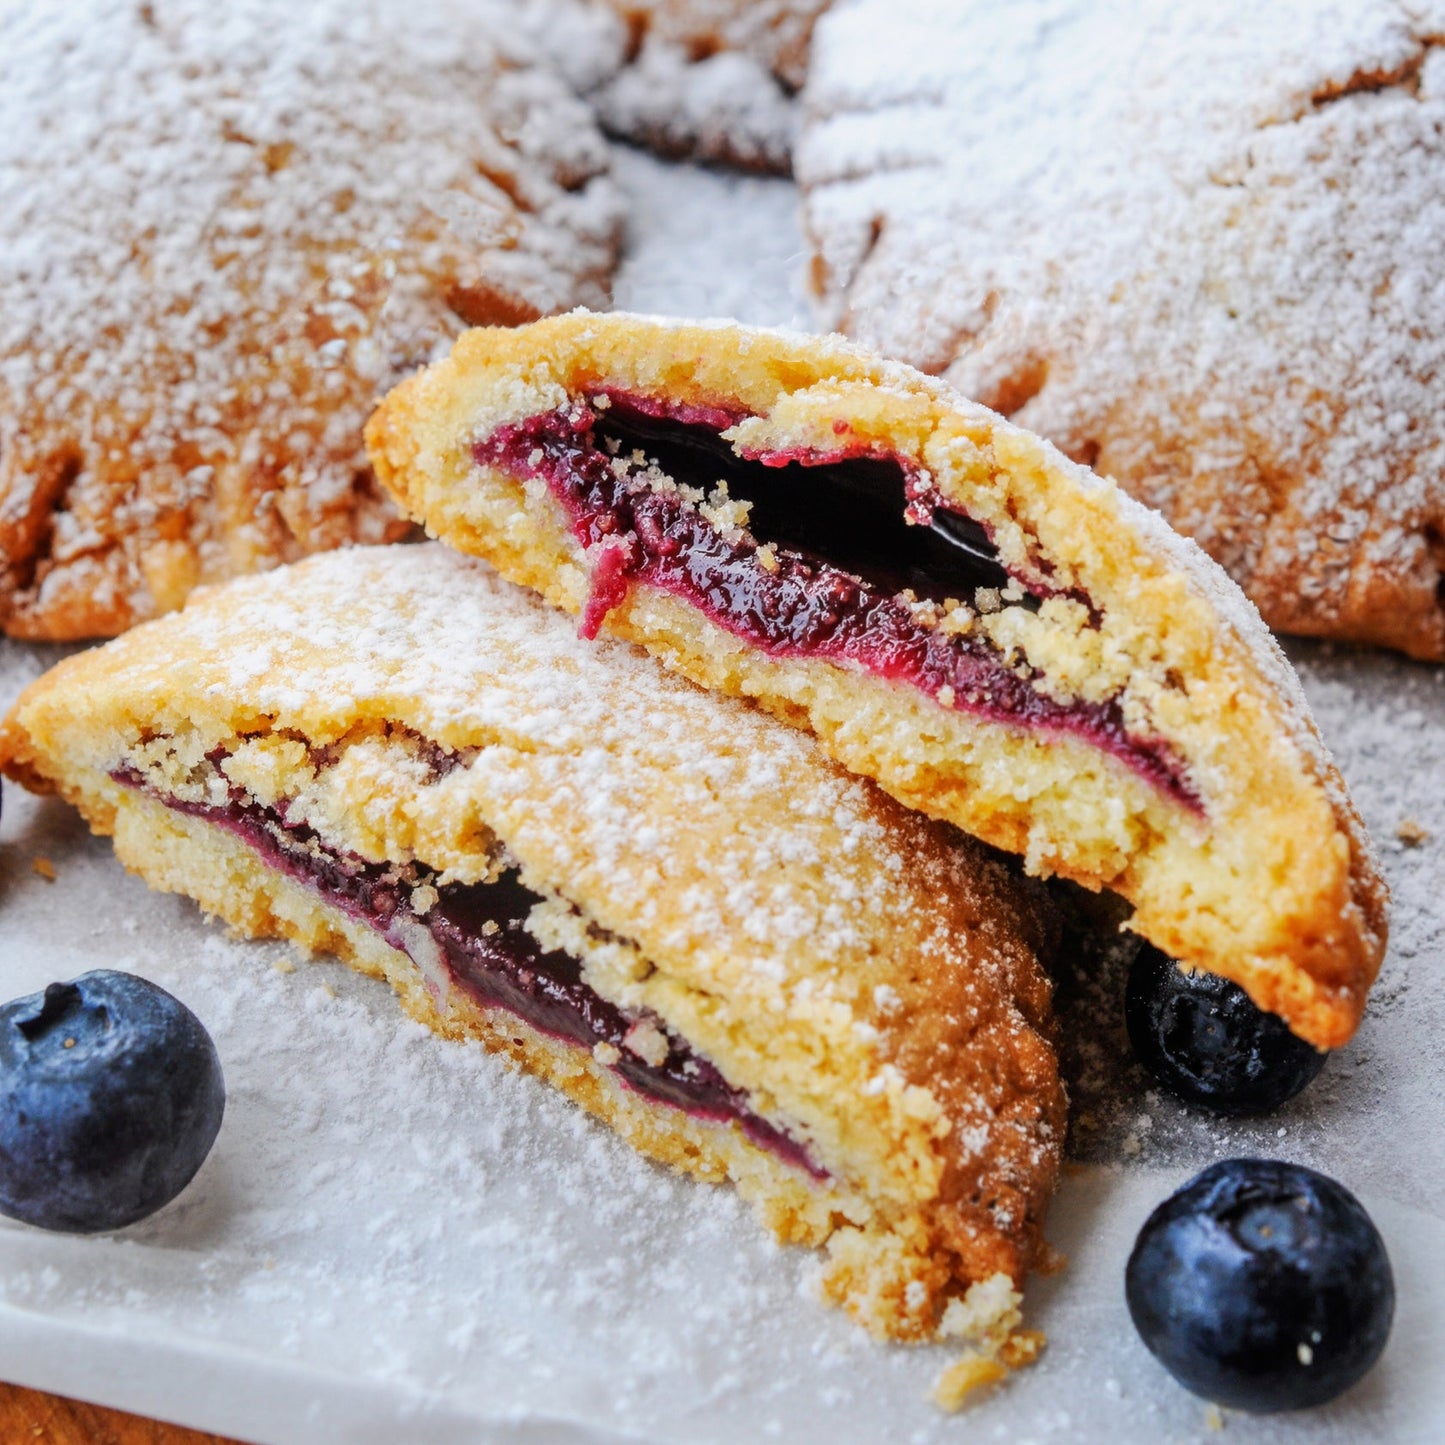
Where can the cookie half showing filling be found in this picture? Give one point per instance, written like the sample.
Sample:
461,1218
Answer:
751,964
997,635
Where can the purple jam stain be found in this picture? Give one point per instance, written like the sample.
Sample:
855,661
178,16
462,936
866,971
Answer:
851,530
488,952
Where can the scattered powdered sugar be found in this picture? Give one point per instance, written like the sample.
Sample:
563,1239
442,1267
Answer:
1198,246
226,231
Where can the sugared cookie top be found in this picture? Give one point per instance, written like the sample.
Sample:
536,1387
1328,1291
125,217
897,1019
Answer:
223,232
1196,246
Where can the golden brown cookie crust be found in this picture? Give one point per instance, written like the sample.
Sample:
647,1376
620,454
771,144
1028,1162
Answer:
868,977
1272,883
213,264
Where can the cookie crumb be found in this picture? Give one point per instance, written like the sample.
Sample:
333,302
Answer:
648,1042
1411,833
963,1377
1213,1417
1022,1348
44,868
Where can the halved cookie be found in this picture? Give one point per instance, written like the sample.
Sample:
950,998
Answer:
750,963
994,633
216,256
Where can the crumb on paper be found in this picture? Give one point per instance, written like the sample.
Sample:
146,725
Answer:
1411,833
283,965
44,868
1052,1261
989,1315
962,1378
1213,1417
1022,1348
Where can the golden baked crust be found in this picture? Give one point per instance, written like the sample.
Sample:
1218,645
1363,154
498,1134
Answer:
867,977
1195,246
1268,879
214,262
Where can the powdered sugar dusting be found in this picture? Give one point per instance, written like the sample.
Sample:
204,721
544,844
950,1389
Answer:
1197,246
711,79
217,256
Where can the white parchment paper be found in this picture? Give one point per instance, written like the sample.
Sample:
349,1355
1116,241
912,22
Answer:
398,1239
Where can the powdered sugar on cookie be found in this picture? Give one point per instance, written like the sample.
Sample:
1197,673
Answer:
216,255
1198,249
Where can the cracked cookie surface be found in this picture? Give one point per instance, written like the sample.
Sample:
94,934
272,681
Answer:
1196,247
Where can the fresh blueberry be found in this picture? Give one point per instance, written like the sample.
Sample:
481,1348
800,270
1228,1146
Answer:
1262,1286
1203,1039
111,1096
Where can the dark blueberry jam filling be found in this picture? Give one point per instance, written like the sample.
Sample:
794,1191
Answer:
479,931
844,534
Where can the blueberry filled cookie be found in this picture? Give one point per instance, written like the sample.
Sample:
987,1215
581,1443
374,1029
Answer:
1195,246
224,232
753,965
995,634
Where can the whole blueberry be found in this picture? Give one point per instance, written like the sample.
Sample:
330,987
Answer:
111,1096
1203,1039
1262,1286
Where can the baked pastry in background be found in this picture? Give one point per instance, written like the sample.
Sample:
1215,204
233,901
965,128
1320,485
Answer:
711,79
1196,246
751,964
995,634
224,231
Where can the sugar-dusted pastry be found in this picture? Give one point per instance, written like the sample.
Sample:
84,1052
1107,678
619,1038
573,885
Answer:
712,79
997,635
224,232
1196,246
750,963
